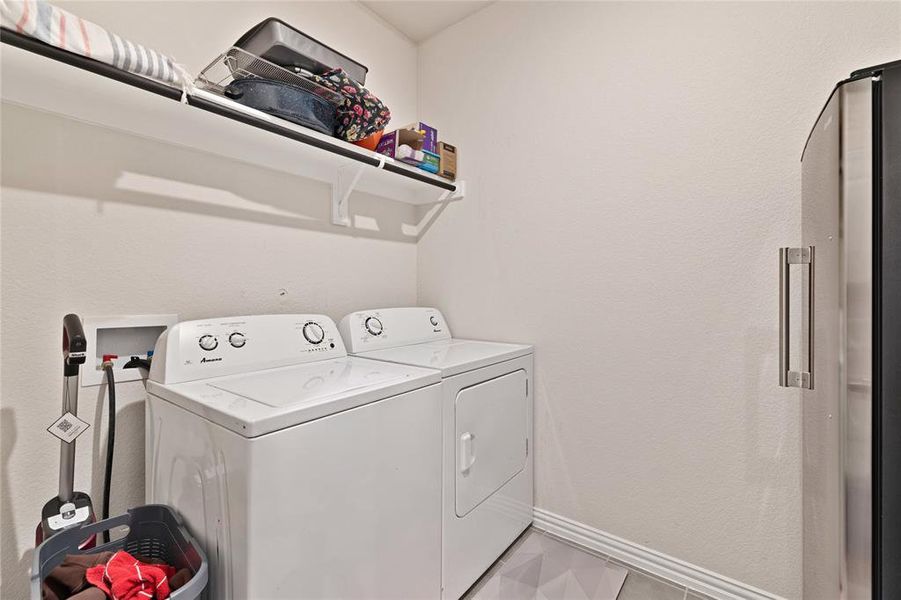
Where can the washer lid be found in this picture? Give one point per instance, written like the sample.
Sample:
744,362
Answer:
451,357
260,402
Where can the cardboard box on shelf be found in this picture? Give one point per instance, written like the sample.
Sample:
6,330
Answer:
429,133
390,142
448,161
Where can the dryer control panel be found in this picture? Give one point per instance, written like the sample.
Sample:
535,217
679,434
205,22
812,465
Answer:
377,329
193,350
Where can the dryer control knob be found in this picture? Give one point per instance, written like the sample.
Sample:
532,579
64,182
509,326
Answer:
373,326
208,342
237,339
433,320
313,333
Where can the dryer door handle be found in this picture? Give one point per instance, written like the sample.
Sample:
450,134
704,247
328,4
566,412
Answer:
467,451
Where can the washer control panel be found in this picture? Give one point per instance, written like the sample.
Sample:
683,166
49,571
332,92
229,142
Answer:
376,329
214,347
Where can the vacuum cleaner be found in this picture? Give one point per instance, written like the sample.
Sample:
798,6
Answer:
69,507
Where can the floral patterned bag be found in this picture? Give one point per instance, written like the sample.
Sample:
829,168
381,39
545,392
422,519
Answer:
362,114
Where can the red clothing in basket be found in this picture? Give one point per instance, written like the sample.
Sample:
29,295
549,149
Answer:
124,577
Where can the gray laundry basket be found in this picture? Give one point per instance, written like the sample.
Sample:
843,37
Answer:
154,532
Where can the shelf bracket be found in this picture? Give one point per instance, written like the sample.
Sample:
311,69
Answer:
446,195
346,178
457,194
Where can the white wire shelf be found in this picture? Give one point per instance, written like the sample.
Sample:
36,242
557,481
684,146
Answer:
48,79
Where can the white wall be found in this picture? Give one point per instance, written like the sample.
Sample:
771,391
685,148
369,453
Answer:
97,223
633,168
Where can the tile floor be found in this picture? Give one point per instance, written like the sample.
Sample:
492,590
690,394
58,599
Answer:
539,566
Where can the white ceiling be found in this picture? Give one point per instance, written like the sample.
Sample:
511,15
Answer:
421,19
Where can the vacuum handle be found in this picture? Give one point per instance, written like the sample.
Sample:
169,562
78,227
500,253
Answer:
75,348
75,345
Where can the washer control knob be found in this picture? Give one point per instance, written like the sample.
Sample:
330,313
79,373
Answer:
373,326
433,320
208,342
313,333
237,339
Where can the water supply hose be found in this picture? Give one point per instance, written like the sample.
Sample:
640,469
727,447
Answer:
110,437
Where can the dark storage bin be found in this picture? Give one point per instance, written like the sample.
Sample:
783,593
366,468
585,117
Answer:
154,532
279,43
285,101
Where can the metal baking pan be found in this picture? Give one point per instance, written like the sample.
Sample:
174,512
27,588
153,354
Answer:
278,42
285,101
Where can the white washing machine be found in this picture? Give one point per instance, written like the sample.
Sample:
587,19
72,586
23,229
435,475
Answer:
487,431
305,473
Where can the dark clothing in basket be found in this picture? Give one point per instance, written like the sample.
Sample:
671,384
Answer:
68,579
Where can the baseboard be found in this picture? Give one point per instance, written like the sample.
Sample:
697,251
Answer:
656,563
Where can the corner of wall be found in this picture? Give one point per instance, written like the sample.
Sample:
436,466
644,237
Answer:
418,81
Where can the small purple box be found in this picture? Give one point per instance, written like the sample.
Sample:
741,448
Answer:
388,144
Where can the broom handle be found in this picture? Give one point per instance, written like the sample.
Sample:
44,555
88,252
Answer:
74,355
67,450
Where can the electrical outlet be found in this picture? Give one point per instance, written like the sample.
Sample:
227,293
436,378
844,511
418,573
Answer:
125,336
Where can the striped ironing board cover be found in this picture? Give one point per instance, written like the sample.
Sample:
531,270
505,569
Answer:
58,27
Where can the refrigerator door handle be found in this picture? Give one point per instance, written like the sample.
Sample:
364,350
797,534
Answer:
788,257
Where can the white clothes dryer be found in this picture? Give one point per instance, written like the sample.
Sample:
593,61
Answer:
486,431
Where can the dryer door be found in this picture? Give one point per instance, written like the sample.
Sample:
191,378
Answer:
491,433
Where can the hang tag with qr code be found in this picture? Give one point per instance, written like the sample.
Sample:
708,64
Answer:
68,427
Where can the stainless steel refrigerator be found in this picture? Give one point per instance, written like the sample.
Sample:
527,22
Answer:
847,359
